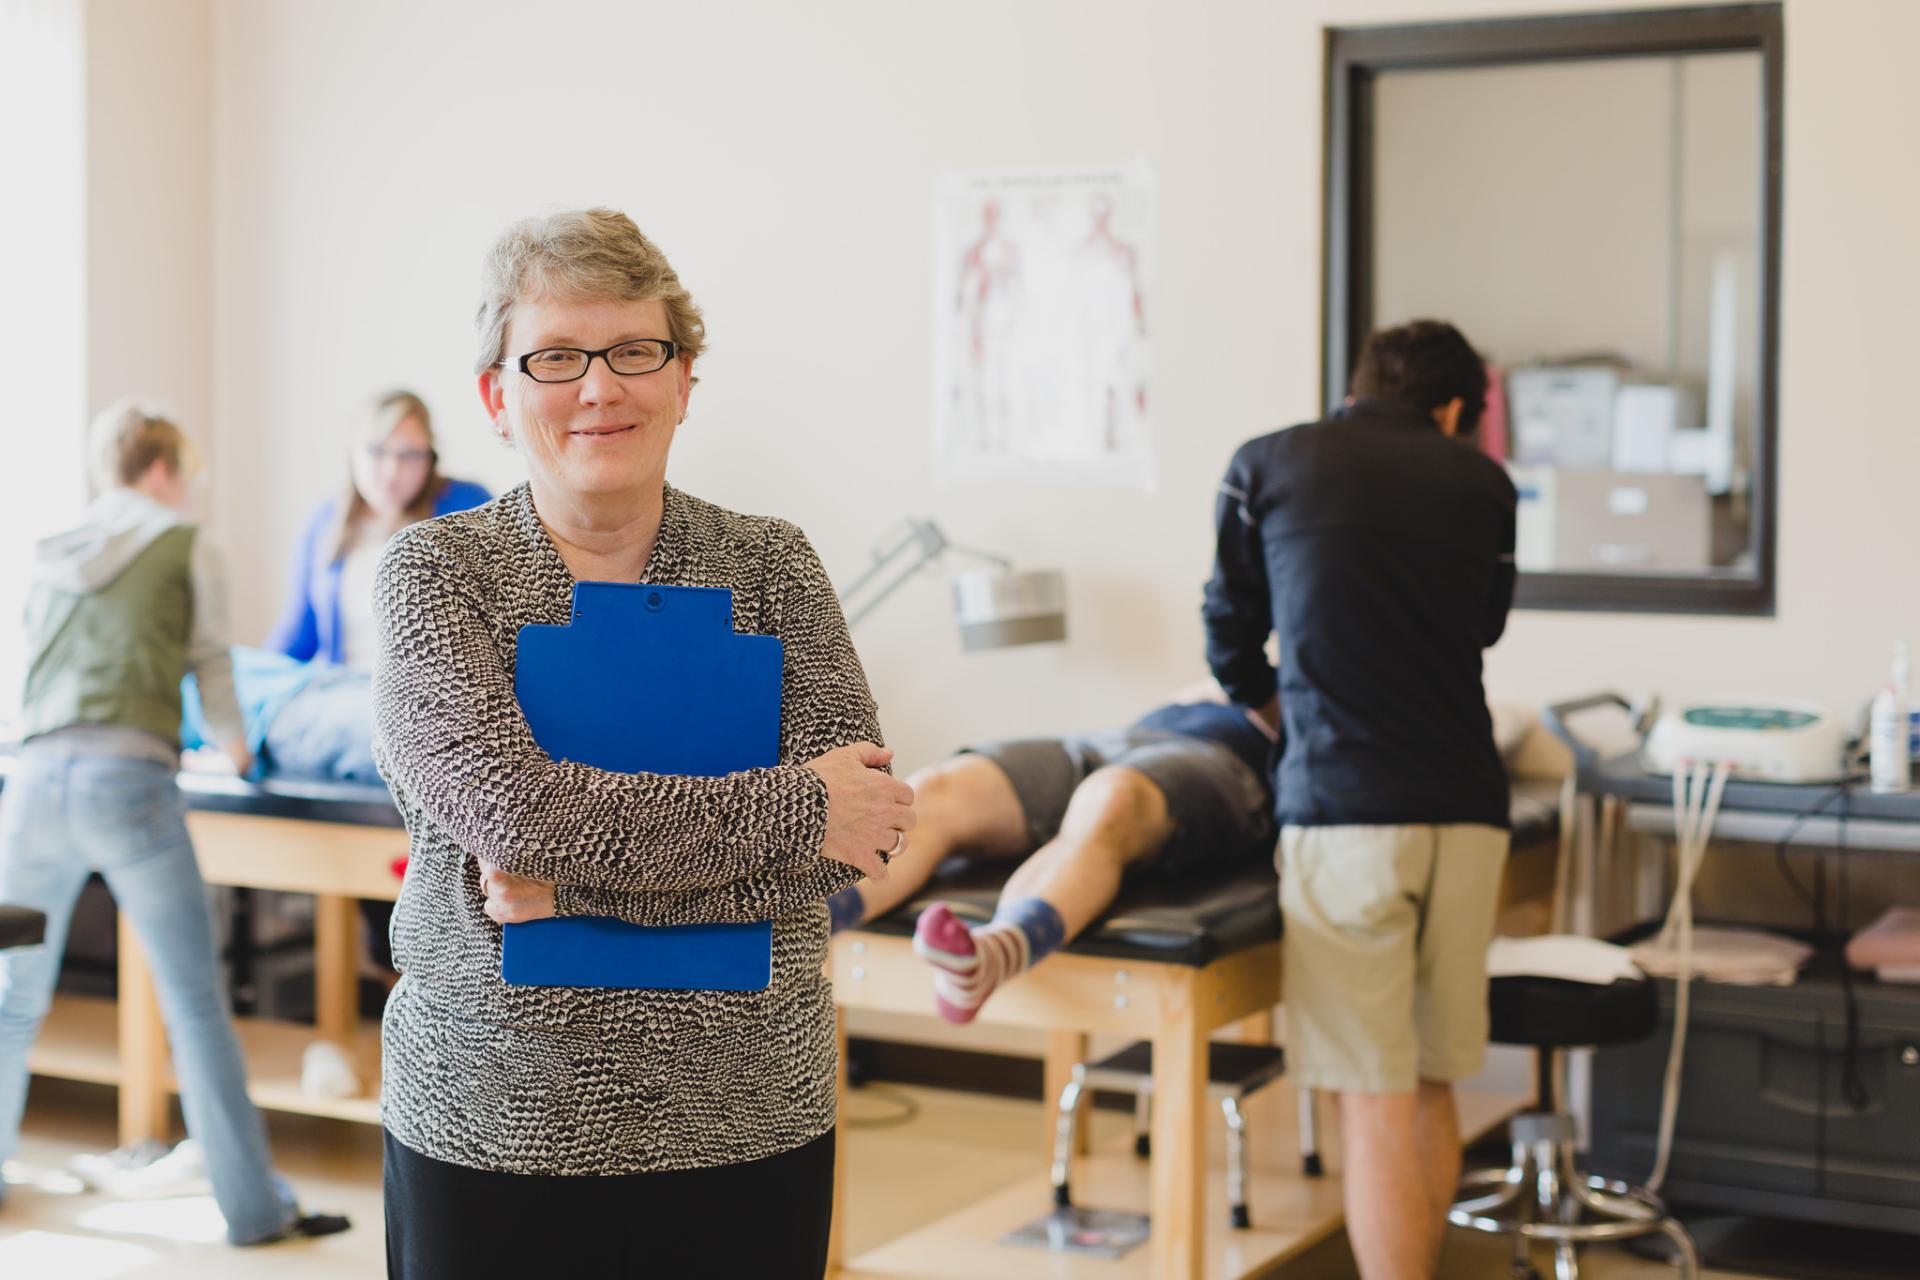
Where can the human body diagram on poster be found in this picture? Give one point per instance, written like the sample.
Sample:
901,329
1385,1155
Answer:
1042,360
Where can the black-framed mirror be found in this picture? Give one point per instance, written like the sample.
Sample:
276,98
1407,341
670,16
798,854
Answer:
1595,200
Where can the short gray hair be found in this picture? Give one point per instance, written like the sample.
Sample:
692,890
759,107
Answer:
582,255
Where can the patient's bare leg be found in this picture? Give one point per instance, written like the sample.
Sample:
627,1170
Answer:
1116,817
965,805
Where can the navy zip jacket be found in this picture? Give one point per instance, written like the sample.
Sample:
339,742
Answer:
1381,552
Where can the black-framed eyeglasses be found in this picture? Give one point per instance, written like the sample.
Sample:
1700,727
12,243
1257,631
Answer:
405,457
570,364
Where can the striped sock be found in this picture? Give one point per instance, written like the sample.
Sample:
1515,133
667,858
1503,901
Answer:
970,964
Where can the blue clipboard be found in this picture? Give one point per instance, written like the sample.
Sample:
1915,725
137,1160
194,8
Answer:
647,679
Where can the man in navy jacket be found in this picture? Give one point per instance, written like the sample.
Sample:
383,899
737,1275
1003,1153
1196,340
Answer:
1378,547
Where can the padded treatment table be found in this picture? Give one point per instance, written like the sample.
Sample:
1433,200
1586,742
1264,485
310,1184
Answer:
338,841
1170,923
1171,963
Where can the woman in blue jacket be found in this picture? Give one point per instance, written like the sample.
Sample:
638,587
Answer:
394,480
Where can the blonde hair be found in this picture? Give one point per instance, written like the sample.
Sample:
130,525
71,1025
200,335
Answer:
128,437
580,255
385,413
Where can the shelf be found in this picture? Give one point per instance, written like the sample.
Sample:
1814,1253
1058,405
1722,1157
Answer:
80,1038
273,1052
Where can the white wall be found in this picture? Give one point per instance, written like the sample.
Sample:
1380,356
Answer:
110,140
786,161
785,157
1569,258
1536,206
42,78
150,206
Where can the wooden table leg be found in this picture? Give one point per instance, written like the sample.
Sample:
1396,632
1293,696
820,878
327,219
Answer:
1607,866
1255,1028
144,1096
336,969
1065,1049
837,1234
1585,854
1179,1134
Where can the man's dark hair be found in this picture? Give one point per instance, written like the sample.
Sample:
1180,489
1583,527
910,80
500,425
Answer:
1424,363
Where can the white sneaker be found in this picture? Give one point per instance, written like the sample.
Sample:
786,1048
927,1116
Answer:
327,1072
96,1169
146,1169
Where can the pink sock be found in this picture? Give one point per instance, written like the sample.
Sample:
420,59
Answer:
968,963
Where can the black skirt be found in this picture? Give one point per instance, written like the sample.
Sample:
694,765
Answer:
766,1219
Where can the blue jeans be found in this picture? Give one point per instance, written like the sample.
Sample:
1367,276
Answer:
63,816
326,729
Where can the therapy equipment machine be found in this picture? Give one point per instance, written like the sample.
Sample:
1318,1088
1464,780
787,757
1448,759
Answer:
1761,740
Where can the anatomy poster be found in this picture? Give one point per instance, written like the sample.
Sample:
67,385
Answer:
1041,356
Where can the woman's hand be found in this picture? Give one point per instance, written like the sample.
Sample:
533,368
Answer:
868,812
513,899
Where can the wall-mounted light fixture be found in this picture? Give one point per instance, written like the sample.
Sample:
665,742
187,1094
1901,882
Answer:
995,608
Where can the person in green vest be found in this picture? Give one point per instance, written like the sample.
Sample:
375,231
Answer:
121,608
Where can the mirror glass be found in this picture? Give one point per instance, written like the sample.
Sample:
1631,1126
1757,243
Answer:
1595,228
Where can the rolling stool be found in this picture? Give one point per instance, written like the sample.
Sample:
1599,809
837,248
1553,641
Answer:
21,927
1235,1072
1542,1196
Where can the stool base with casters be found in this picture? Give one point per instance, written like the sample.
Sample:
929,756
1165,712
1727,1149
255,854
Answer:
1543,1196
1234,1073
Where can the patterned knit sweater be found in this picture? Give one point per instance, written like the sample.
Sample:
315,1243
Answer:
568,1081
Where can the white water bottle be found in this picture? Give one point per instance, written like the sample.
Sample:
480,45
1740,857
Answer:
1889,752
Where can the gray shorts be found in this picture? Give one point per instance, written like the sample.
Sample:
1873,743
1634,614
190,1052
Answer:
1222,813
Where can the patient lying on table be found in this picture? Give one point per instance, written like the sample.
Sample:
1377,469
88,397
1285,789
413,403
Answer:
304,720
1186,787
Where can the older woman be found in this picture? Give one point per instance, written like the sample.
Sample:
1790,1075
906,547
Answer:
587,1131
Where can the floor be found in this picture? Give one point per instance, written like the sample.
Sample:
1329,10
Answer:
977,1144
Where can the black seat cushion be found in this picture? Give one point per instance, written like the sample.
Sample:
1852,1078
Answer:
358,803
21,926
1557,1013
1153,920
1164,921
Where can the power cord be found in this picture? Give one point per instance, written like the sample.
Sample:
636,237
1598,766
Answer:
1850,1081
1696,805
1852,1086
1697,789
1816,900
905,1107
1816,905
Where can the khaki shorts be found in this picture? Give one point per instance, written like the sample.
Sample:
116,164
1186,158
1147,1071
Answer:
1385,951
